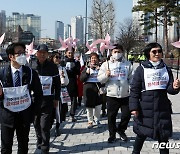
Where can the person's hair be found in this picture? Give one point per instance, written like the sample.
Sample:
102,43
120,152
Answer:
94,54
118,46
53,55
148,48
11,47
73,49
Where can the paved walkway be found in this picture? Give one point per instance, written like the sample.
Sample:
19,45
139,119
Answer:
76,138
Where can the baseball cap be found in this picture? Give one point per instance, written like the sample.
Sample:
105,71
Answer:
42,47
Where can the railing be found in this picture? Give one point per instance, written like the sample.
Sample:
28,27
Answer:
172,62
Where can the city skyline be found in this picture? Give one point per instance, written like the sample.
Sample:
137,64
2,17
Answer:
62,11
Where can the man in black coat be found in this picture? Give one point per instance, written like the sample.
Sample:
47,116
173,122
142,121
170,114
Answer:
17,109
50,81
73,69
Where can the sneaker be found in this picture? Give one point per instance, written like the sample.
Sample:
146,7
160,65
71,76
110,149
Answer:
123,136
90,125
111,139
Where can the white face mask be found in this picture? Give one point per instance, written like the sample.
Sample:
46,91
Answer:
117,56
21,60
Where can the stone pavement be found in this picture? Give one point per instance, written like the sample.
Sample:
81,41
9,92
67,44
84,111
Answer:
76,138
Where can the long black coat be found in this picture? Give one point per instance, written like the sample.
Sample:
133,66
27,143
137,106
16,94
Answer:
7,118
90,91
72,73
153,105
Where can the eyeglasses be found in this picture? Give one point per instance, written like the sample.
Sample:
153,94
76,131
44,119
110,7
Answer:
57,57
156,51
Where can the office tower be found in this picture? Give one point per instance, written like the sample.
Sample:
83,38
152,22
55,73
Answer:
59,30
28,22
2,22
67,31
77,26
172,30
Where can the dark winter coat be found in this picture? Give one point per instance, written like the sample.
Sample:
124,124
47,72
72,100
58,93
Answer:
49,69
72,75
90,91
7,118
154,119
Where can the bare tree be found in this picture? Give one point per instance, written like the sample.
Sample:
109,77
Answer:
128,35
102,19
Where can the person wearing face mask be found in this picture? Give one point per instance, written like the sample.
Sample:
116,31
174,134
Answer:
17,104
149,101
116,74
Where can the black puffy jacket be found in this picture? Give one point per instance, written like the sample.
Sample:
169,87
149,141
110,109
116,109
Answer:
154,107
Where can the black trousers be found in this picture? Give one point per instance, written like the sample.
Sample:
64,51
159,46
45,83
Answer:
64,110
113,105
42,125
139,141
103,102
73,105
7,135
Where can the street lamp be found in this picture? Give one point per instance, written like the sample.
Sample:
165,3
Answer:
85,29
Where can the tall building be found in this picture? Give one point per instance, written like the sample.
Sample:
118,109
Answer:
59,30
28,22
172,30
2,22
77,26
34,25
136,17
67,31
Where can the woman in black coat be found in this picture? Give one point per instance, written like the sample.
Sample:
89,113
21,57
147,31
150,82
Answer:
91,96
73,70
148,100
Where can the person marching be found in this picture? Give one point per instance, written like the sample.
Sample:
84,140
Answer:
17,106
116,73
73,69
91,96
50,81
78,57
62,108
148,100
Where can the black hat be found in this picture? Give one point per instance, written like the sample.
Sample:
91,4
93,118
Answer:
42,47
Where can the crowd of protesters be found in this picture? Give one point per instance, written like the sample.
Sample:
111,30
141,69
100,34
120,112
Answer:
40,93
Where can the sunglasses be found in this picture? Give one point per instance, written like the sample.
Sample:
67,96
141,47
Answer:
156,51
57,57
